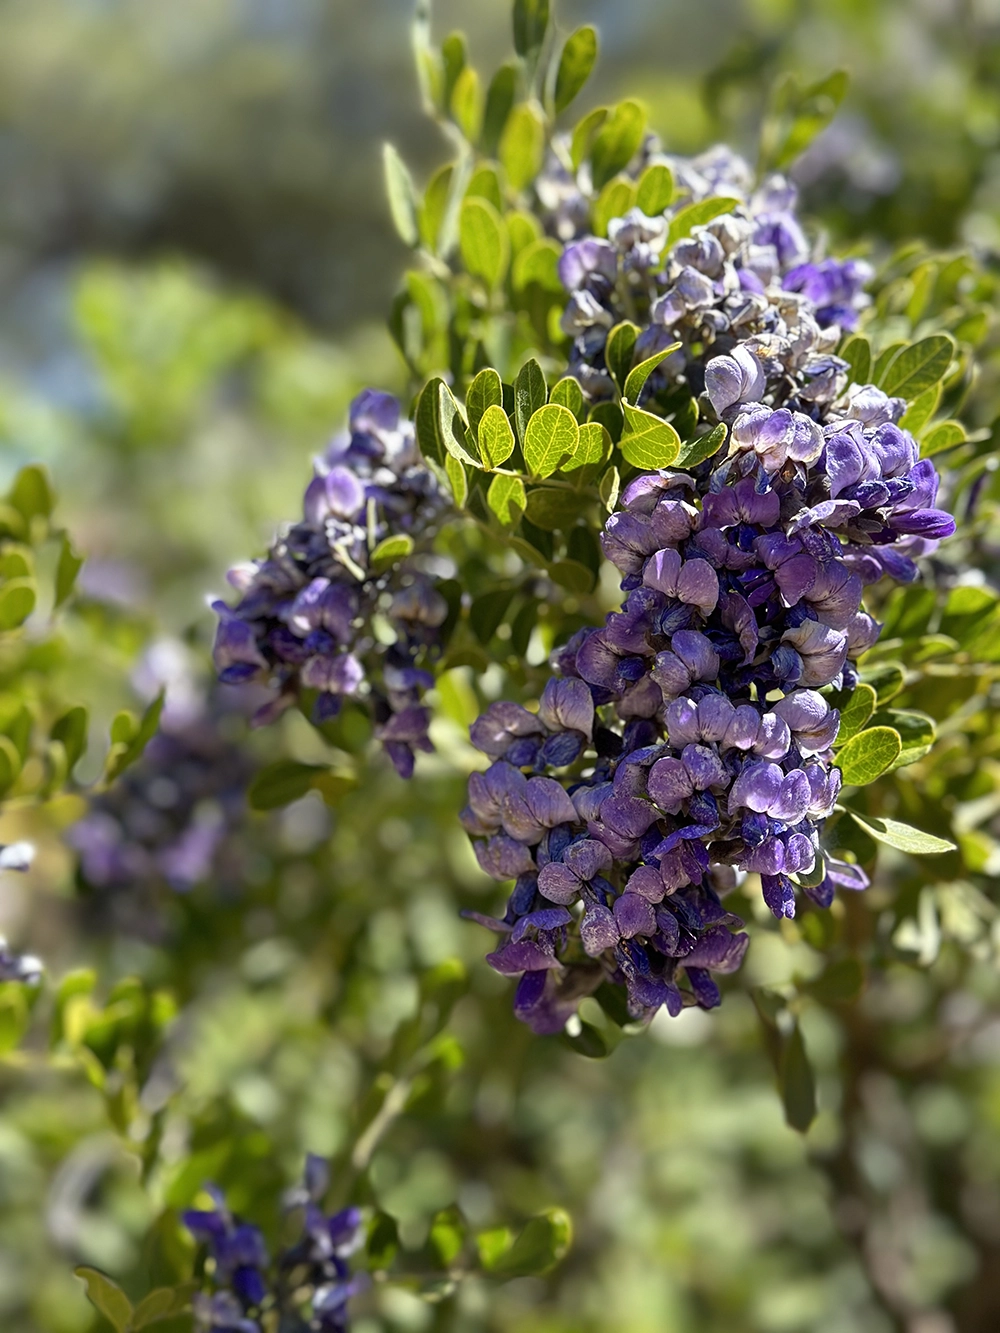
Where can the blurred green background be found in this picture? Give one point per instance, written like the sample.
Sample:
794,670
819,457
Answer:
195,262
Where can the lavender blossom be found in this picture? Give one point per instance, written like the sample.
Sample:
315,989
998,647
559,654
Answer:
304,621
308,1285
688,741
743,293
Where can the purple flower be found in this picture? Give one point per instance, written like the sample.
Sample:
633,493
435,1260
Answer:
304,619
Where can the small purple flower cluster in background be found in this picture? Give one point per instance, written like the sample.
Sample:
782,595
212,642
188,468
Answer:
746,277
304,621
691,735
308,1285
172,820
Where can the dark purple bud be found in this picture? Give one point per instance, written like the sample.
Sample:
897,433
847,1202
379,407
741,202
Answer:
779,894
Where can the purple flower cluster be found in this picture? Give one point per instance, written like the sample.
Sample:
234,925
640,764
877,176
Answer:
690,734
306,1288
747,277
173,820
304,621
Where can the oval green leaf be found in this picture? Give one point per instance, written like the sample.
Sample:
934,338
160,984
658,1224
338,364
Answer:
391,549
483,241
856,713
496,438
696,215
655,190
522,146
648,441
617,142
917,368
636,379
904,837
868,755
575,64
506,498
551,436
486,390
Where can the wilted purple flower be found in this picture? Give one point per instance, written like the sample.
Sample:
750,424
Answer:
303,624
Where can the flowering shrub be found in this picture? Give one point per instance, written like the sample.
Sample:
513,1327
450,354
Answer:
679,540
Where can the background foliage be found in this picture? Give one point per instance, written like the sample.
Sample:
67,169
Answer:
197,255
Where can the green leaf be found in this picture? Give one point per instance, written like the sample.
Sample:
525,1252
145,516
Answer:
917,368
812,109
483,241
921,409
887,680
530,393
551,436
68,566
486,390
617,142
696,215
916,731
163,1303
403,202
573,576
655,190
584,135
903,837
798,1087
855,713
868,755
567,393
542,1244
500,98
538,263
496,438
522,146
589,1041
857,352
457,480
487,612
608,488
551,509
71,731
435,206
945,435
884,360
636,379
648,441
382,1244
702,446
467,103
287,780
127,748
620,349
506,497
390,550
447,1235
594,447
440,428
841,982
31,494
614,201
575,65
108,1297
17,601
531,21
